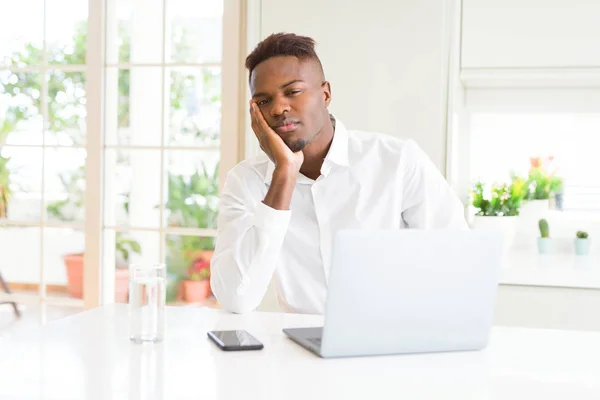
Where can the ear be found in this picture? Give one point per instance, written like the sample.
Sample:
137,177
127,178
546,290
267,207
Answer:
326,92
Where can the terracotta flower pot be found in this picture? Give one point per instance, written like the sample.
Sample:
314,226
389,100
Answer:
74,264
196,291
121,285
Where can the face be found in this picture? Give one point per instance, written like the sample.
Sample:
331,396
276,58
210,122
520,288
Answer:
293,98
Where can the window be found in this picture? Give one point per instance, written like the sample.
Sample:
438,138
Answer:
162,134
504,131
153,148
504,142
42,145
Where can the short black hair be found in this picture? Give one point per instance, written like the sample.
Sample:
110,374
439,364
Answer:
283,44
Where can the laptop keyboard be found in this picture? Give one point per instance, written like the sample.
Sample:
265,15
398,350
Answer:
315,341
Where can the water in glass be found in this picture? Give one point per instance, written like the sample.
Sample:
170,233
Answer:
147,297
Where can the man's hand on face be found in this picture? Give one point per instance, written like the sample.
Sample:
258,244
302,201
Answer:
284,159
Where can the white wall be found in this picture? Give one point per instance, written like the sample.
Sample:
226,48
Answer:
530,33
384,59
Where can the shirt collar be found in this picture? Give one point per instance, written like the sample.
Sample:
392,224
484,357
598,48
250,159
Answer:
337,154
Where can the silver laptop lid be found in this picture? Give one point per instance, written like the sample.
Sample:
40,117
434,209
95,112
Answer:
407,291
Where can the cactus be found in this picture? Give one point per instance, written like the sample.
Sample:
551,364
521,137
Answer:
582,235
544,228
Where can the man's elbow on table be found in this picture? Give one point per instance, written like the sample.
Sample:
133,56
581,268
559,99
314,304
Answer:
230,299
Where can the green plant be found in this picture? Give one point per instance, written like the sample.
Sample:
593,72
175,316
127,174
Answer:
193,202
67,209
199,271
126,246
6,126
4,186
582,235
503,199
73,184
540,182
544,228
556,184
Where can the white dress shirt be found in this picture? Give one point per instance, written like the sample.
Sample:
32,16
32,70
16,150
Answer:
368,180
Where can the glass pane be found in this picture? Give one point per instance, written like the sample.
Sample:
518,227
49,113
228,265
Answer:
66,108
133,112
196,33
124,248
66,31
192,189
21,181
22,33
136,39
64,171
195,106
132,188
188,259
21,258
20,113
63,262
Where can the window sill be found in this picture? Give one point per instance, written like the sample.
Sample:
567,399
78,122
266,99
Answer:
556,270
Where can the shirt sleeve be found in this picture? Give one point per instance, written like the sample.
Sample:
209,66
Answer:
428,201
249,239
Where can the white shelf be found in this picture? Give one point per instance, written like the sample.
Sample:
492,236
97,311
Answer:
555,270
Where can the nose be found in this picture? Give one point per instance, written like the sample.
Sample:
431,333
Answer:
280,106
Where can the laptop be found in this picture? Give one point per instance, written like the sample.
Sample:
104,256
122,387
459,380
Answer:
407,291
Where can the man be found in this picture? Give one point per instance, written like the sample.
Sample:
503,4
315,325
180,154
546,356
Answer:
278,212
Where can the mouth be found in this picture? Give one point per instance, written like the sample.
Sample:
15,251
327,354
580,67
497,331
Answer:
287,126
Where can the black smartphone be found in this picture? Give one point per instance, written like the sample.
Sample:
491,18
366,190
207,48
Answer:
235,340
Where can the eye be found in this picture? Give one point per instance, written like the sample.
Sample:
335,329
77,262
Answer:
294,92
261,103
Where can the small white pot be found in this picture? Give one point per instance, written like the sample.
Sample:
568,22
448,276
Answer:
545,245
528,229
582,247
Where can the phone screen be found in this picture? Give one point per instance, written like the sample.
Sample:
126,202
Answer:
234,339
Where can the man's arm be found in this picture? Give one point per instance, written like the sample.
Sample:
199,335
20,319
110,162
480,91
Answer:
428,201
251,231
250,236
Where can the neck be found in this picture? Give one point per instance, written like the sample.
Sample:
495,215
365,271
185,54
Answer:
315,152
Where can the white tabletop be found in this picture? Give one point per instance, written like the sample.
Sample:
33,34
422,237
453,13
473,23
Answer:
89,356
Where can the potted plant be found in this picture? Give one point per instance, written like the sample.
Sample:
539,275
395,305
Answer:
582,243
541,183
192,203
4,187
544,242
74,265
124,247
498,208
7,125
68,210
197,284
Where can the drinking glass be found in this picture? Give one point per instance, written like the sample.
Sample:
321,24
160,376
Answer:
147,296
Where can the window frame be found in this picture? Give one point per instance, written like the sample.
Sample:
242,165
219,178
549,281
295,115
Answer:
98,273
